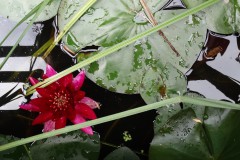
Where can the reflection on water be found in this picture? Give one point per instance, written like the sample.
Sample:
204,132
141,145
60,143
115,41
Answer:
20,65
29,39
174,4
215,73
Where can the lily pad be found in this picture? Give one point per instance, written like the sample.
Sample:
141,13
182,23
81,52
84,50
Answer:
187,45
162,83
180,138
72,146
107,24
15,10
196,132
224,17
125,75
13,153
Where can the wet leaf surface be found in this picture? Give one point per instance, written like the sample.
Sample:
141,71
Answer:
195,132
13,153
72,146
106,24
162,83
224,17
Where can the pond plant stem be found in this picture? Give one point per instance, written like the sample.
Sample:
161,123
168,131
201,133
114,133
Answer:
43,48
154,23
68,26
125,43
28,152
166,102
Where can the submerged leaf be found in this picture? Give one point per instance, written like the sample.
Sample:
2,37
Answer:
123,153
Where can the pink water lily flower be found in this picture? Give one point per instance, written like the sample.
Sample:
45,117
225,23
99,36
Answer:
60,101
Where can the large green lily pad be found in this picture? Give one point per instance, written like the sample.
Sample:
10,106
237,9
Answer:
196,133
107,23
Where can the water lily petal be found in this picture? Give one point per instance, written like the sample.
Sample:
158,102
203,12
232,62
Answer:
79,119
41,102
49,71
71,113
79,96
60,123
85,111
54,86
33,81
64,81
42,117
88,130
90,102
49,126
43,92
78,81
30,107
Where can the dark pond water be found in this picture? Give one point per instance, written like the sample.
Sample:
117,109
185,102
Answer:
215,73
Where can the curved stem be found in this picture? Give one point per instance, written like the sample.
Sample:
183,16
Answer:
154,23
183,99
69,25
90,123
